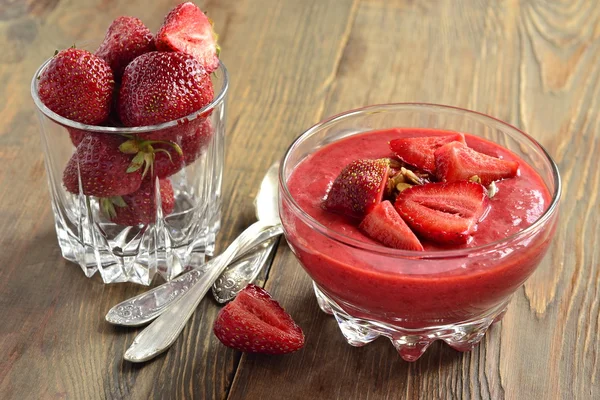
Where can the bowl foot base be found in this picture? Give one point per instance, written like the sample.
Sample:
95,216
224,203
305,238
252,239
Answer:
410,343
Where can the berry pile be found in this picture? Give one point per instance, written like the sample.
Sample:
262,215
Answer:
435,189
135,79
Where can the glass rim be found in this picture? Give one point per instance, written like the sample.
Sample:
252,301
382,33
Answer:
219,98
414,254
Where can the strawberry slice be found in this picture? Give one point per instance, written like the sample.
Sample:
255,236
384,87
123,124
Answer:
419,151
455,162
358,188
187,29
443,212
385,225
255,323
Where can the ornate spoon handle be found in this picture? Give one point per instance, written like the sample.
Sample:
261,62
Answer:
236,276
145,307
161,334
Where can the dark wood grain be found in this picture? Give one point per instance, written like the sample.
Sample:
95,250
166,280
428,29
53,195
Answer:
533,63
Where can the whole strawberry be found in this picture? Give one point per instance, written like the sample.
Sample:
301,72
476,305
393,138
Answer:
255,323
162,86
126,38
187,29
76,136
77,85
104,170
192,140
140,207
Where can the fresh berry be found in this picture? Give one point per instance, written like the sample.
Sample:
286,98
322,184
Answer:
159,87
139,207
192,141
419,151
456,162
255,323
76,136
102,167
188,30
358,188
443,212
77,85
385,225
126,38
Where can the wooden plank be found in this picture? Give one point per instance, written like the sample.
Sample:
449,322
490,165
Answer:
534,64
55,343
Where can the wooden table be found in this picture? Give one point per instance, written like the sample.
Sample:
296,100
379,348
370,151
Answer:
533,63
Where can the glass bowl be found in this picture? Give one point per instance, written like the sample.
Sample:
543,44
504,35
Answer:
414,298
169,243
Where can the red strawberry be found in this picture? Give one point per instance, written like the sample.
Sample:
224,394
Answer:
188,30
419,151
103,168
443,212
77,85
159,87
455,162
192,140
385,225
76,135
140,207
126,38
358,188
255,323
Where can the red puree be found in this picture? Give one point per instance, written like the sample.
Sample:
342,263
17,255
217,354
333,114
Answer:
410,291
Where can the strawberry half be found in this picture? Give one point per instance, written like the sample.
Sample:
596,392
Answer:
77,85
443,212
188,30
358,188
139,207
159,87
385,225
105,171
455,162
126,38
419,151
255,323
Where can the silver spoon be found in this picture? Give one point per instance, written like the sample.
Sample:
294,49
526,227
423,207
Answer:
145,307
236,277
239,274
161,334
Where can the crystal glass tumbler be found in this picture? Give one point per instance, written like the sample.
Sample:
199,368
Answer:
168,225
415,297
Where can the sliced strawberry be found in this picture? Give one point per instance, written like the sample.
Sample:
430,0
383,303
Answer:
419,151
443,212
358,188
385,225
455,162
255,323
188,30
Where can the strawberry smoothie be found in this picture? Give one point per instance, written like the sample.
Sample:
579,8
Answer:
447,283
